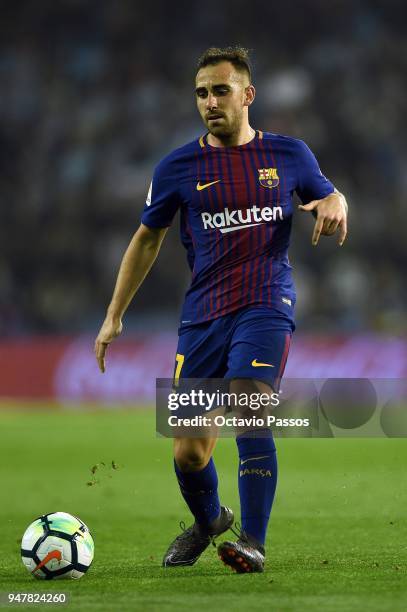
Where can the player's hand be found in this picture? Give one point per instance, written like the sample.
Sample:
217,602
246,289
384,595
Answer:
331,214
110,329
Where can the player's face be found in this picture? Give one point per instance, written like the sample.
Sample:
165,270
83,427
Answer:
222,94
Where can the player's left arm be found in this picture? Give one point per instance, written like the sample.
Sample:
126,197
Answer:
319,196
331,215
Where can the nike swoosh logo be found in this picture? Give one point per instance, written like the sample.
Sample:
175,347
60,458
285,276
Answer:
257,364
199,187
182,561
53,554
253,459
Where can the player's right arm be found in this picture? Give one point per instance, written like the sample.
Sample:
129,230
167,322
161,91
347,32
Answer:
162,203
136,263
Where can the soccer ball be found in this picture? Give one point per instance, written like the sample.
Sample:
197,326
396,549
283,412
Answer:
57,545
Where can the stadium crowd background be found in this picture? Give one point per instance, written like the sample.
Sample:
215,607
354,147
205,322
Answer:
93,94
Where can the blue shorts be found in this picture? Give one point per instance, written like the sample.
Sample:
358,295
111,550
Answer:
250,343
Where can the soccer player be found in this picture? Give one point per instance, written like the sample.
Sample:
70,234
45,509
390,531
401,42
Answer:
234,188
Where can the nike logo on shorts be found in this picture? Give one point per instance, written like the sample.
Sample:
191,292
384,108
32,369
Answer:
257,364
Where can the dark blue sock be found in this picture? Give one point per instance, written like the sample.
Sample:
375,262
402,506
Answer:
257,481
200,491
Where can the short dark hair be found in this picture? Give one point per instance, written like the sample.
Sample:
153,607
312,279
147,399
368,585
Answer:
237,56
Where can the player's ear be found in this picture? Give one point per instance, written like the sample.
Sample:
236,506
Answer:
250,94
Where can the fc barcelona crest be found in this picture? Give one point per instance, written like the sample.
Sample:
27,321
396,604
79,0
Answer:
268,177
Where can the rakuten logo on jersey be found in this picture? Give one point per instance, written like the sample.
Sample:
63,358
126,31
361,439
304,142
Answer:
230,221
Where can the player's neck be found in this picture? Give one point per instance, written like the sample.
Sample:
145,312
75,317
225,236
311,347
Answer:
245,135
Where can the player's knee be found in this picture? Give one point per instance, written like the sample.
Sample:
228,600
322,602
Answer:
190,457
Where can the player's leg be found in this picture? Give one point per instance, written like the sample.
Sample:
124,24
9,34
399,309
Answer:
201,353
257,473
198,483
197,478
256,362
257,481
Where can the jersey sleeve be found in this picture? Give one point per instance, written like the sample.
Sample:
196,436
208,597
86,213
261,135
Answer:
163,199
312,184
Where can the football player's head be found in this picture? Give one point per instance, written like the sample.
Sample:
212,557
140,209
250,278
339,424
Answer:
224,90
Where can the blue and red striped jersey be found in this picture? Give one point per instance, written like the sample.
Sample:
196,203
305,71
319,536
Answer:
236,206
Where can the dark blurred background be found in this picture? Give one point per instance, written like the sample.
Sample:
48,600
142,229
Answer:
93,94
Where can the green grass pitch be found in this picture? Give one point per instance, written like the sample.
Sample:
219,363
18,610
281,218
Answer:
338,536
